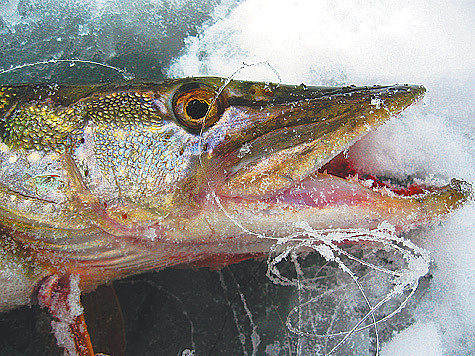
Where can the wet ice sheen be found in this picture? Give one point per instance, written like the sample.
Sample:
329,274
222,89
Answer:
341,42
328,43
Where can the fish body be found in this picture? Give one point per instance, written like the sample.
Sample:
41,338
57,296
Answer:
107,181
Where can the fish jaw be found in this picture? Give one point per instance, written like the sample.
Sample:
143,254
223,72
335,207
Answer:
323,201
270,182
268,148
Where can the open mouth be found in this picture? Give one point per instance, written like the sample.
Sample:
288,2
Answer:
339,183
287,161
342,167
338,194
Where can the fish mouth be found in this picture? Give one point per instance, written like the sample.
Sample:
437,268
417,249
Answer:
296,163
270,148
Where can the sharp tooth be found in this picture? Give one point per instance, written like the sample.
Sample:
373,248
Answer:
385,191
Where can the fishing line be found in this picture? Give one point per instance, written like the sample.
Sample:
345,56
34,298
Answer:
325,243
397,289
255,339
242,338
200,142
416,259
125,74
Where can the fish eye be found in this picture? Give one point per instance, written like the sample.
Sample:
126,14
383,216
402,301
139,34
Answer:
197,109
196,106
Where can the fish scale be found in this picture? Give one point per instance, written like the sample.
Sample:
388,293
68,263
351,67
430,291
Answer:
139,158
42,126
124,108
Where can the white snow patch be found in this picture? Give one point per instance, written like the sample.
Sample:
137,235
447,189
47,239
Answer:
450,302
332,42
421,339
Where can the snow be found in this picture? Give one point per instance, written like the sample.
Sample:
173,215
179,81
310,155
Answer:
357,42
328,41
317,42
450,303
420,339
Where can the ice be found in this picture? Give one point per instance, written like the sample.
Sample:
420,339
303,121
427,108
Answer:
63,337
355,42
424,341
142,35
380,289
255,339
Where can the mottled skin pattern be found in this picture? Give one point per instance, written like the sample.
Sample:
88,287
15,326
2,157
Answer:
105,181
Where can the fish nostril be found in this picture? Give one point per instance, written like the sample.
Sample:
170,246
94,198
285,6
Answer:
269,93
261,91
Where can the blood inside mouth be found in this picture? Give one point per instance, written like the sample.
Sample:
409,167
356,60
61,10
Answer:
339,183
342,167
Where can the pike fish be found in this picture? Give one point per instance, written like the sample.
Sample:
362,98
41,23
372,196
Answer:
104,181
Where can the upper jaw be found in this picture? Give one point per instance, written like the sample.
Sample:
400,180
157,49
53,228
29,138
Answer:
266,157
262,147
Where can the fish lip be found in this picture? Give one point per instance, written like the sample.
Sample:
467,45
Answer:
464,188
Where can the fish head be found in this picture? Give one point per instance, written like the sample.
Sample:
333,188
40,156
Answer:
235,138
272,156
184,154
272,136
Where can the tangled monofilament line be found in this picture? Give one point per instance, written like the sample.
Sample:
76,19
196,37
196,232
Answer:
327,243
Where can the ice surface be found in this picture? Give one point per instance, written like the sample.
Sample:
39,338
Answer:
356,42
316,42
142,35
380,279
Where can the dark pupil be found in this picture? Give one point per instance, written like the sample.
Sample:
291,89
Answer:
196,109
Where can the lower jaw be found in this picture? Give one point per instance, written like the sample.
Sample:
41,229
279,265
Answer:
326,201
